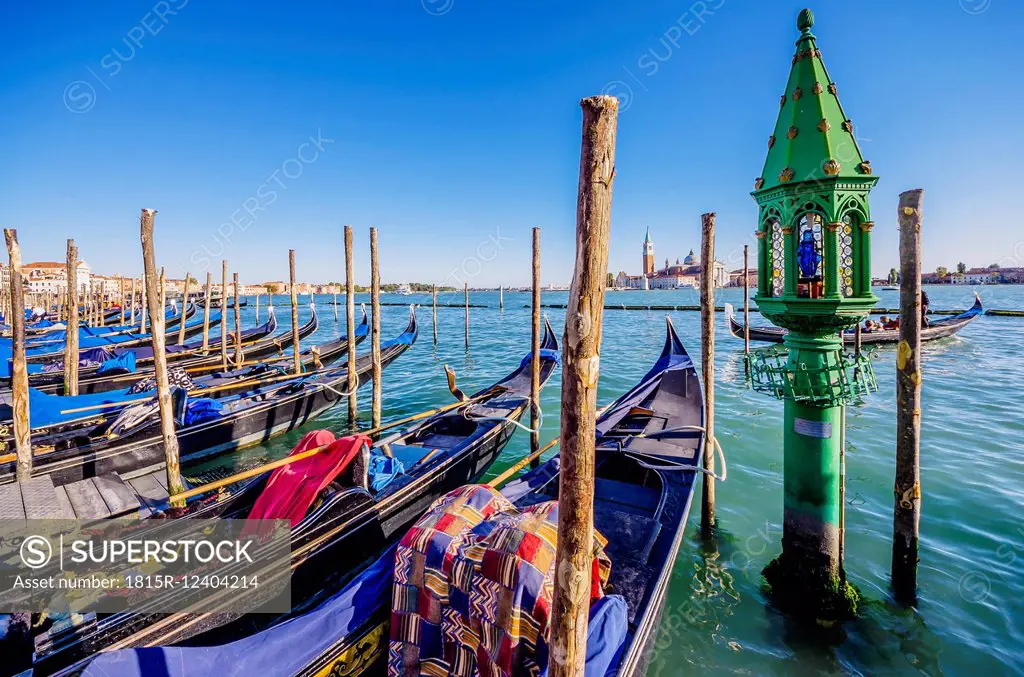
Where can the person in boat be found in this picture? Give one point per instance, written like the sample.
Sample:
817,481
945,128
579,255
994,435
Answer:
889,323
870,325
924,308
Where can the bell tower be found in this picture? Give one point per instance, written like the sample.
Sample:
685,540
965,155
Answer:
648,264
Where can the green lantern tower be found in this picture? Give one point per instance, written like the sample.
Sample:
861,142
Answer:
814,279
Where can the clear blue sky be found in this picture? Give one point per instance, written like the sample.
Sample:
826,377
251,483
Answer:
452,124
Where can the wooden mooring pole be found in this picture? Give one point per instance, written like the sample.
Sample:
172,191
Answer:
71,343
184,302
535,351
163,291
163,389
19,372
707,359
296,357
335,307
206,313
131,301
224,315
350,327
121,302
239,358
375,327
501,297
433,300
466,296
581,354
257,309
746,299
906,522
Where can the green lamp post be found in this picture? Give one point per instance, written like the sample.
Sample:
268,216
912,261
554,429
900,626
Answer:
814,279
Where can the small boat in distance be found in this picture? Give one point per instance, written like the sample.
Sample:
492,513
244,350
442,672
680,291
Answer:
936,328
404,289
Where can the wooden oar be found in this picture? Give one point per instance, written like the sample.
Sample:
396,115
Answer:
273,465
525,461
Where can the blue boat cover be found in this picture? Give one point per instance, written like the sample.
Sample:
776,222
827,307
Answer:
45,409
383,469
545,354
118,364
202,409
286,648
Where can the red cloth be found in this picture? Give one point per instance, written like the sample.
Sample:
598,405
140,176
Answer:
291,489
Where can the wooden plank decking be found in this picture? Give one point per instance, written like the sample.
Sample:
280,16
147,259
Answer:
91,498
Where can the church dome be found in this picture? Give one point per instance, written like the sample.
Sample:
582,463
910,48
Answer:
690,259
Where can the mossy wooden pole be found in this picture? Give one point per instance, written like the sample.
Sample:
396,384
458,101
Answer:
375,328
296,356
466,297
19,372
535,351
433,302
257,309
350,327
581,367
163,389
746,299
206,313
71,343
906,522
224,315
184,302
239,358
707,359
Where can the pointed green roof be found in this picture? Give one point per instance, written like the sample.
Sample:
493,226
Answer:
647,238
813,138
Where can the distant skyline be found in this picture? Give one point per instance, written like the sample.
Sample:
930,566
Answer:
454,126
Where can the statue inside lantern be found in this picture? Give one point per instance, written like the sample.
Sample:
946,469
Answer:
808,254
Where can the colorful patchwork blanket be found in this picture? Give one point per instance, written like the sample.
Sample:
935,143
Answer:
473,588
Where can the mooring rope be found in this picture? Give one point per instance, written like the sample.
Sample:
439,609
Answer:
669,465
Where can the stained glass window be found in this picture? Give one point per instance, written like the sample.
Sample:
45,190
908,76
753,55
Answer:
778,265
846,257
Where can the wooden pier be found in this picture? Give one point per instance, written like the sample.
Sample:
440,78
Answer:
99,497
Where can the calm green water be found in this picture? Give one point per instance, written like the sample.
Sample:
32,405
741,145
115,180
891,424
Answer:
969,618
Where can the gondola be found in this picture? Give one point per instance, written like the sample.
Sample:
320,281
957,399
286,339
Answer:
52,413
649,445
51,351
351,522
936,329
47,334
271,403
257,344
94,377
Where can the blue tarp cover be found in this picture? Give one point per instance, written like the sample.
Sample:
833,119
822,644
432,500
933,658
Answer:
119,364
202,409
383,469
45,409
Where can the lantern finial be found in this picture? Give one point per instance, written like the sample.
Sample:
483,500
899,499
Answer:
805,20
